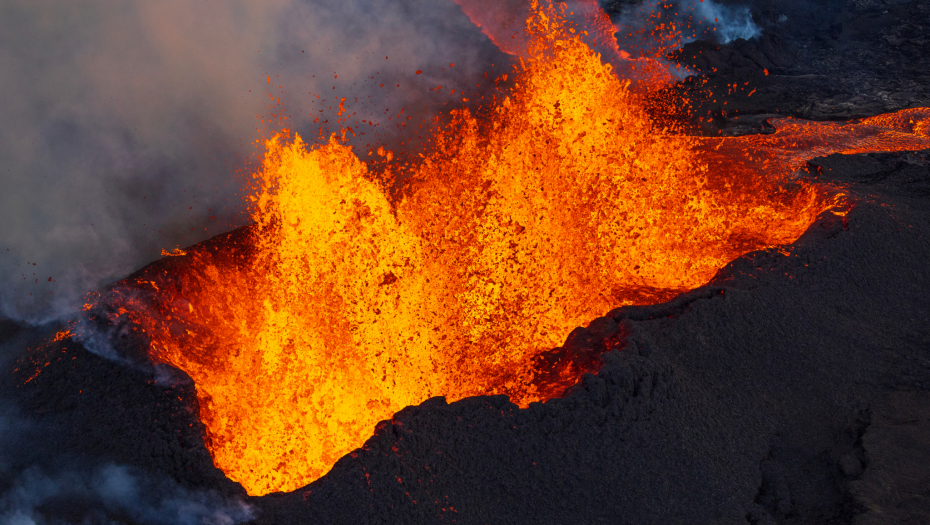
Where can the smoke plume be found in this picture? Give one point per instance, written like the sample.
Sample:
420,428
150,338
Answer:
130,127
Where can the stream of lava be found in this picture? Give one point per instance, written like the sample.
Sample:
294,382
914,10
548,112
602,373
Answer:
347,305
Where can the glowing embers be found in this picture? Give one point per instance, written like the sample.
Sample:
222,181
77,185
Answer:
345,306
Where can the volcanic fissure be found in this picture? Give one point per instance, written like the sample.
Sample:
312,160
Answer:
347,301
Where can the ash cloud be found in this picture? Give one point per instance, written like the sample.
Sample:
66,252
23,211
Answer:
130,127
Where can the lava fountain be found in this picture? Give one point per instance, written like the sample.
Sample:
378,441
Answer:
342,305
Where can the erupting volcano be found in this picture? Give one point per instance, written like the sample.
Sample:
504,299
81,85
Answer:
347,300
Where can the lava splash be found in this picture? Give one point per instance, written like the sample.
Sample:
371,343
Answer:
343,305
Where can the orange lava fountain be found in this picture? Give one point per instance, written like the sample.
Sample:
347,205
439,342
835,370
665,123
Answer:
344,306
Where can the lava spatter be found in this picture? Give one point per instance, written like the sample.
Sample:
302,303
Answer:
564,201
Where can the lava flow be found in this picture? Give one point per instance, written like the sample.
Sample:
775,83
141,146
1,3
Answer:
343,305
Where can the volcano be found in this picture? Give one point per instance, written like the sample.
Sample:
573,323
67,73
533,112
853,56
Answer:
763,357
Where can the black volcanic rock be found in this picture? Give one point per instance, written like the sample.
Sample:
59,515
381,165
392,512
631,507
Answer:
905,174
792,389
896,447
82,409
819,60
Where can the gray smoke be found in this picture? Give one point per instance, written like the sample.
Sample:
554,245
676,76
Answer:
36,489
113,494
730,22
695,19
130,127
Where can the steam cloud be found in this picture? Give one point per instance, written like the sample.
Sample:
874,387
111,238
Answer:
106,494
113,494
731,22
707,20
128,125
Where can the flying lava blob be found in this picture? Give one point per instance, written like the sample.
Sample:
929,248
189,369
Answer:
344,305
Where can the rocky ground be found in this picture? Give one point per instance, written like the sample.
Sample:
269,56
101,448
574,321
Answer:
819,60
793,389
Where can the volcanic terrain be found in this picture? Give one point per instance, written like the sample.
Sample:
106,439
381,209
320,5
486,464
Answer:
792,388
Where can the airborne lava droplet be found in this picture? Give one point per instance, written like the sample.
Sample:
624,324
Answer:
349,304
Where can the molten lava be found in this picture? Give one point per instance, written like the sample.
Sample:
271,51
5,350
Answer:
346,306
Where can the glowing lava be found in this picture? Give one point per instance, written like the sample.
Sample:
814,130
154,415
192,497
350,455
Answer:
345,306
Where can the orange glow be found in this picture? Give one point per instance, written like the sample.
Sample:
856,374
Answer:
343,306
914,120
782,153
